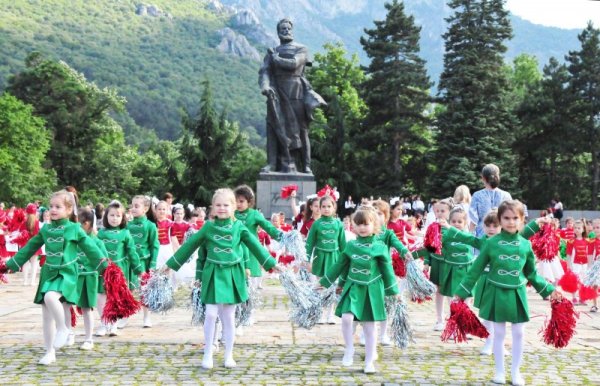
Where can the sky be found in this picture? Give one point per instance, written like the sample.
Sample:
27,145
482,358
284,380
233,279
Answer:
557,13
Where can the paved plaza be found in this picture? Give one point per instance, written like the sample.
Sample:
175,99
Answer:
274,352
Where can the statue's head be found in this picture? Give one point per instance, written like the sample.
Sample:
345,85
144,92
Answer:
284,30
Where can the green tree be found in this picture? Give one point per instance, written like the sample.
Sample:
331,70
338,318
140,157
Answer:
76,113
475,128
337,79
24,143
584,66
396,92
214,152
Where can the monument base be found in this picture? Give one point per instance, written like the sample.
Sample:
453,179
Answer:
268,191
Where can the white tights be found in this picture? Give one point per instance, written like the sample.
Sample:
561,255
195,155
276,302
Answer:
439,307
518,330
31,265
53,314
369,331
88,323
225,312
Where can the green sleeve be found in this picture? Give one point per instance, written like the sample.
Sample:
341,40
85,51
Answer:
530,229
131,252
341,237
474,273
268,227
311,239
94,254
397,244
424,253
25,253
187,249
339,269
539,283
262,255
467,238
390,284
153,244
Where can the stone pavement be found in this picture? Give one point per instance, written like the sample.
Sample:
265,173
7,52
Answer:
273,352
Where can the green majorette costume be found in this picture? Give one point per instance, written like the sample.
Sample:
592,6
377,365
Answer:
87,282
60,272
389,238
145,237
458,258
121,250
512,265
434,261
252,219
221,267
477,242
366,276
324,244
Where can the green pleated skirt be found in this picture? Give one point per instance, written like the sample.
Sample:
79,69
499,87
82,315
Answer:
224,284
504,304
322,261
87,286
434,272
480,288
365,302
450,277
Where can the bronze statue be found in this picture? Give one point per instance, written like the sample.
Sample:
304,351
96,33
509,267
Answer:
291,102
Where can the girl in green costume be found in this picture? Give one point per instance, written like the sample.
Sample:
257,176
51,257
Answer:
504,298
221,269
366,277
145,236
122,251
57,288
435,263
87,282
325,242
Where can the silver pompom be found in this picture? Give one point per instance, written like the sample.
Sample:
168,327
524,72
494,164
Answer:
292,243
157,293
402,333
198,308
419,287
329,296
592,277
391,302
307,304
243,311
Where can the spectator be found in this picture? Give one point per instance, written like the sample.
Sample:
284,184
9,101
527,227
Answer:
418,206
486,199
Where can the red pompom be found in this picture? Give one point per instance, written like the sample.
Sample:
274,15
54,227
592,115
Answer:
587,293
563,264
420,300
569,282
3,271
561,327
120,302
398,264
287,190
462,321
433,238
42,260
329,191
545,243
73,317
286,259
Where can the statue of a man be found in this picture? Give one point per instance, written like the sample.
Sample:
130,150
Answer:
290,103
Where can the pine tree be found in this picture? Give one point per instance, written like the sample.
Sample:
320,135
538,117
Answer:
397,94
475,127
584,66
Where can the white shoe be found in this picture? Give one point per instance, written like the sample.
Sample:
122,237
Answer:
87,345
121,323
47,359
486,349
331,319
439,326
370,368
229,363
385,340
147,322
239,331
71,339
499,379
361,338
101,331
61,338
207,362
113,331
348,358
517,380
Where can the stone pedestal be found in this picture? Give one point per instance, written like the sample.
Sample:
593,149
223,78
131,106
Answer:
268,191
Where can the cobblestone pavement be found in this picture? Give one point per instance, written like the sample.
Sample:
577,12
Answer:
273,352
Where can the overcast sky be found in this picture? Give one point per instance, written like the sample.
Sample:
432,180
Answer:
557,13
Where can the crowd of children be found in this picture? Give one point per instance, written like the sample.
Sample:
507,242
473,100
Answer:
229,251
